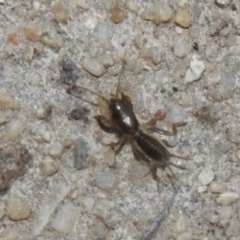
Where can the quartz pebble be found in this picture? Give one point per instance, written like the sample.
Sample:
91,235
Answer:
33,32
100,231
5,116
88,203
105,33
176,113
217,187
227,197
106,181
181,223
14,129
206,176
48,166
56,149
80,153
225,212
233,229
93,66
156,54
222,84
196,69
82,4
132,6
66,218
181,48
139,169
6,101
158,13
17,208
183,18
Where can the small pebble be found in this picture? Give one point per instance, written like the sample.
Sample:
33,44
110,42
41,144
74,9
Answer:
179,30
114,70
206,176
33,32
56,149
60,11
225,212
233,229
158,13
17,208
100,231
139,169
65,218
67,143
106,181
118,15
217,187
181,223
10,233
202,189
6,101
227,197
223,3
184,236
132,6
225,31
5,116
194,31
14,39
156,54
93,66
80,154
107,60
82,4
52,39
185,98
46,136
183,18
181,48
176,113
196,69
88,203
105,33
14,129
212,218
48,166
108,218
160,115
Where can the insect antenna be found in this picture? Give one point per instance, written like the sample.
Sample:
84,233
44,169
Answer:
120,75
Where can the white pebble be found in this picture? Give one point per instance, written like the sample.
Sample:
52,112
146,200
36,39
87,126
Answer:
156,53
106,181
36,5
196,69
227,198
225,212
206,176
132,6
17,208
93,67
105,33
233,230
65,218
176,113
48,166
14,129
179,30
202,189
217,187
55,149
213,218
184,236
181,223
181,48
46,136
82,3
158,13
139,169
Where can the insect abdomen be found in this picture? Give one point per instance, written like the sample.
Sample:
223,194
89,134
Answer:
151,146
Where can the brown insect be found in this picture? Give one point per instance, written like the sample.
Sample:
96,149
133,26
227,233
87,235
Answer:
125,125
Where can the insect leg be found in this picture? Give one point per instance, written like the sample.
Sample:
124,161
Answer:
116,146
106,125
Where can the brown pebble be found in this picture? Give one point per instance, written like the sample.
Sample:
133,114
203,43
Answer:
14,39
6,101
60,11
160,115
33,32
183,18
118,14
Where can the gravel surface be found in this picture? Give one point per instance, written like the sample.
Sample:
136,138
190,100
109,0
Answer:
57,178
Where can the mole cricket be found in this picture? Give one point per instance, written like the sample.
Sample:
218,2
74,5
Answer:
126,126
